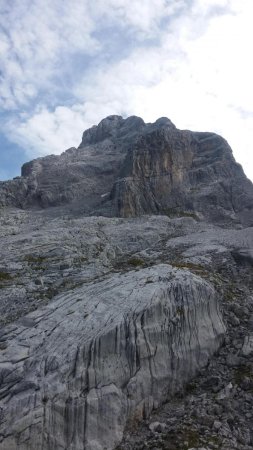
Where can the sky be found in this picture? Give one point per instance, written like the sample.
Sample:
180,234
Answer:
67,64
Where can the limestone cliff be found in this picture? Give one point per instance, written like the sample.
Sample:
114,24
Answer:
176,172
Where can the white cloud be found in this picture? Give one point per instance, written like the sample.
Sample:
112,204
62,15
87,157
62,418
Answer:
46,132
39,37
35,36
142,16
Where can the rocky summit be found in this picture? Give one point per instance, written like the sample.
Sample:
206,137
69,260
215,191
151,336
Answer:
126,168
126,294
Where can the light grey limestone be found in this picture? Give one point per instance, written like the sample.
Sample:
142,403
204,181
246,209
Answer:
73,372
67,376
247,348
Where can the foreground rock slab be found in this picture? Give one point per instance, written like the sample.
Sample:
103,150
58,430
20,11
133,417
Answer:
74,372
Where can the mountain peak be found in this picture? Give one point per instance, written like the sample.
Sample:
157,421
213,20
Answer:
111,127
124,167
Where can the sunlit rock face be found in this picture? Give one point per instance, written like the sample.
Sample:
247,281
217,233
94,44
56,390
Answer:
124,167
173,172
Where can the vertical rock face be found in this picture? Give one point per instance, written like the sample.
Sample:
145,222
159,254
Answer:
72,374
174,172
154,171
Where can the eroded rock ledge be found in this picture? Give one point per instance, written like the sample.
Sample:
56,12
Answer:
74,372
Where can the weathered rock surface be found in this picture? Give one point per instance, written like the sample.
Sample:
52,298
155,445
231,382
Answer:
126,168
75,371
126,312
215,411
41,256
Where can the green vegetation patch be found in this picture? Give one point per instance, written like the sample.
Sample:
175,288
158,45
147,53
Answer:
180,310
36,262
135,262
196,268
174,213
242,372
4,278
230,292
192,438
32,259
190,387
184,439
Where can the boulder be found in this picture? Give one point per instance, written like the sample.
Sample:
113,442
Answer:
74,372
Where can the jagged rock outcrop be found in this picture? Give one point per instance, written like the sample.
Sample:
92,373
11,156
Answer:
81,177
125,167
73,373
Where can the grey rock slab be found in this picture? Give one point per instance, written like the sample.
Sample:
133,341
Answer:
157,427
225,393
217,425
205,239
247,348
72,373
